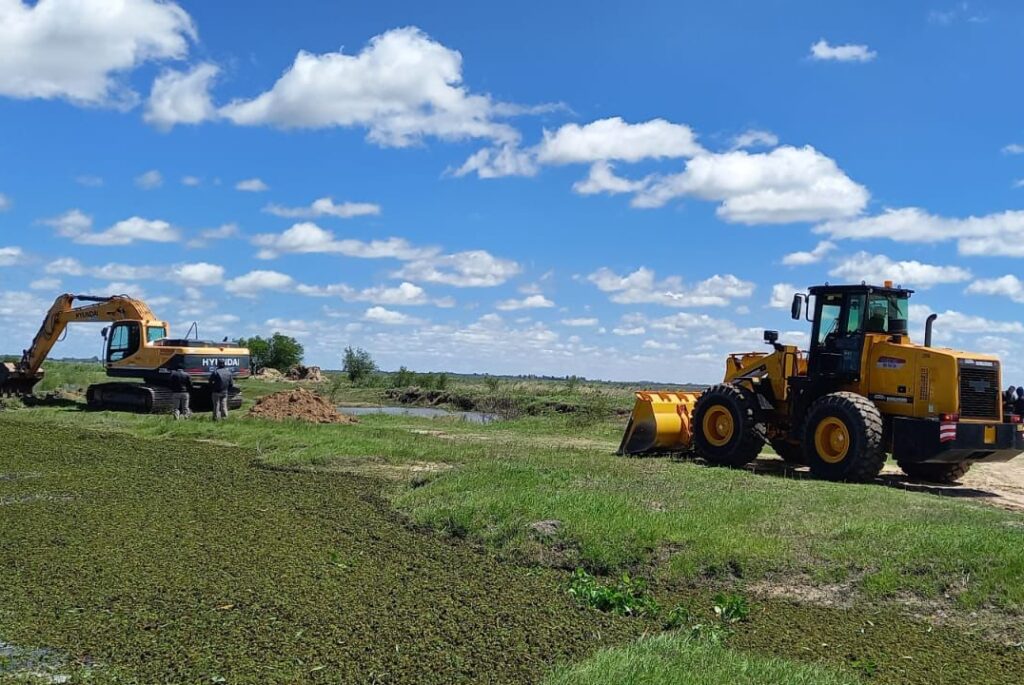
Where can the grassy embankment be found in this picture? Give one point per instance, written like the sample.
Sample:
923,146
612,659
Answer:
691,530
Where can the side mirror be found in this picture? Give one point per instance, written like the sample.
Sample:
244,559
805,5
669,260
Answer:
797,308
771,337
105,331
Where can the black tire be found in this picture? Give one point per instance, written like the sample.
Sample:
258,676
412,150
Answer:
744,441
789,452
860,456
946,474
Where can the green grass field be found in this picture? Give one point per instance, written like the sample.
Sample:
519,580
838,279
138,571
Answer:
846,583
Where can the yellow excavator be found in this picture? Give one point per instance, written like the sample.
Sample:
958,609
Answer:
136,345
861,391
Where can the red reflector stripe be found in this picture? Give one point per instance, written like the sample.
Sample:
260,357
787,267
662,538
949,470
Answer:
947,431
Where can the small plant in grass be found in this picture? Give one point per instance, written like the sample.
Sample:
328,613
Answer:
572,384
492,383
628,597
678,617
441,383
731,608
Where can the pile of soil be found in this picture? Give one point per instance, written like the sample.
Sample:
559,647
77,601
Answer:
269,374
298,404
305,373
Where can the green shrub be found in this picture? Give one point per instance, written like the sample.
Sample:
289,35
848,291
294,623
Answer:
628,597
358,365
403,378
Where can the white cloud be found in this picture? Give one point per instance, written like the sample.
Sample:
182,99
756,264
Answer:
199,274
754,138
11,255
403,295
5,203
529,302
1008,286
251,283
469,269
181,97
79,49
602,179
89,181
129,231
999,234
629,330
190,181
222,232
642,287
583,322
505,160
325,206
149,180
1013,149
656,345
401,87
876,269
65,265
615,139
51,284
70,224
252,185
952,321
782,295
387,316
812,257
785,185
822,50
306,238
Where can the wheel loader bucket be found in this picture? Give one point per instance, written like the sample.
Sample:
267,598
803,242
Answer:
14,383
660,423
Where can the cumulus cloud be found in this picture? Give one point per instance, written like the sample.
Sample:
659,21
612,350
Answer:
850,52
469,269
80,49
505,160
199,274
602,179
388,317
784,185
614,139
48,284
782,295
132,230
191,275
250,284
582,322
403,295
191,181
641,286
252,185
879,268
10,255
181,97
812,257
1000,234
401,87
754,138
529,302
1013,149
307,238
149,180
1008,286
324,206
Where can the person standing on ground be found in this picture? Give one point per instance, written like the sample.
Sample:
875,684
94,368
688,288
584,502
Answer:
1018,403
221,383
181,387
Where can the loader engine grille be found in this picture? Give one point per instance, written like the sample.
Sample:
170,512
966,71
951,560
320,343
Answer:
979,389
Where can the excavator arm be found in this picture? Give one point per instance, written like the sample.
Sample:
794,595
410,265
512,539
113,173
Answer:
18,379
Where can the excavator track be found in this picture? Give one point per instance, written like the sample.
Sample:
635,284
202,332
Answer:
133,397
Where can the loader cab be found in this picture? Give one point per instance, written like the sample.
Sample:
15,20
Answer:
842,317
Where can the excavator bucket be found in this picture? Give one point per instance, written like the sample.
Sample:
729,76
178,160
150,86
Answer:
14,383
660,423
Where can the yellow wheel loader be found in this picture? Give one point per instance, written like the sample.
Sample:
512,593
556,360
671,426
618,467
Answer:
861,391
136,345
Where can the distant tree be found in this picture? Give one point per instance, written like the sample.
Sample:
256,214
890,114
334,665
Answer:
357,364
279,351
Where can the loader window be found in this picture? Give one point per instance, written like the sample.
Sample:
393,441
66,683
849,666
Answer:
887,314
828,323
855,314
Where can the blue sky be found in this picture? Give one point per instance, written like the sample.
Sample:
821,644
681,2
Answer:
618,191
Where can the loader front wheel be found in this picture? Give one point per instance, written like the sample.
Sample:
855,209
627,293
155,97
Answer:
843,438
725,426
946,474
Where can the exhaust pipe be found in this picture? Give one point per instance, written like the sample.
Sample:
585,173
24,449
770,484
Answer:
928,329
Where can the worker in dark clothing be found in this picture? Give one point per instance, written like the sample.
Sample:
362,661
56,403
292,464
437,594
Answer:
221,383
1009,397
1018,403
181,387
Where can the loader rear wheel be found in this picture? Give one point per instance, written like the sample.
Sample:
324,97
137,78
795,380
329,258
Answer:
843,438
725,426
946,474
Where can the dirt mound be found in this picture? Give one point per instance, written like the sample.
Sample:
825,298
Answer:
268,374
305,373
298,404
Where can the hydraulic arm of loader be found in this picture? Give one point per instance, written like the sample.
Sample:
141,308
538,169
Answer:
19,379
